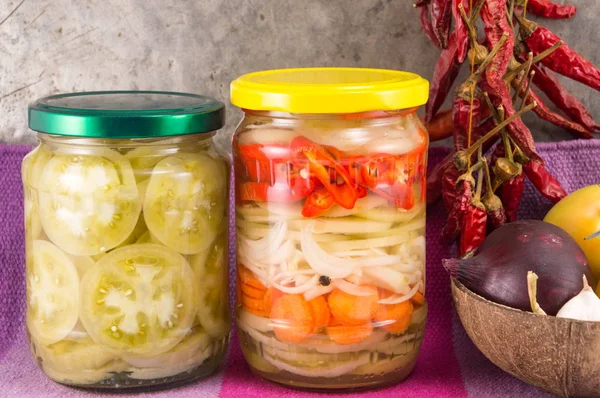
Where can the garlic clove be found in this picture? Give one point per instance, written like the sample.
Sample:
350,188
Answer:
584,307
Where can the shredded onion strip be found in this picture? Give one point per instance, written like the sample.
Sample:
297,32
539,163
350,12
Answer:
312,282
400,298
354,290
335,267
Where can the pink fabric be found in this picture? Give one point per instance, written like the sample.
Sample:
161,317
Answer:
449,364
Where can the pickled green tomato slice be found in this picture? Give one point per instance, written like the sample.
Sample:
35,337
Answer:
143,160
138,300
211,270
52,292
33,166
70,355
88,203
185,201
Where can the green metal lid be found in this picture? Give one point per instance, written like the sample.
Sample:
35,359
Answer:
126,114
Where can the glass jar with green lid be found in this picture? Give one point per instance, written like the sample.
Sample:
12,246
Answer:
126,222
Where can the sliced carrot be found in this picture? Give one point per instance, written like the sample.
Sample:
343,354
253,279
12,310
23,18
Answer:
270,297
250,302
291,318
418,299
257,312
248,278
253,292
352,310
350,334
320,312
395,318
238,291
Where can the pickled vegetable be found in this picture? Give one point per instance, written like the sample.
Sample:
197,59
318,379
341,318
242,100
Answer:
331,250
120,287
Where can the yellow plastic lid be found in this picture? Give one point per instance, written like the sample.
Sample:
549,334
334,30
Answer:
329,90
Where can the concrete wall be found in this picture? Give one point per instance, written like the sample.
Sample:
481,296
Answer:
53,46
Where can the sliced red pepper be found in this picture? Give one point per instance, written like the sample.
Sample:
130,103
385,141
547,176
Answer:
320,161
261,160
390,177
317,203
298,189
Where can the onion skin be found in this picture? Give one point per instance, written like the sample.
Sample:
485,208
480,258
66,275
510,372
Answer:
498,270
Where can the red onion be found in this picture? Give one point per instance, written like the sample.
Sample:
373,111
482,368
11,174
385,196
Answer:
498,270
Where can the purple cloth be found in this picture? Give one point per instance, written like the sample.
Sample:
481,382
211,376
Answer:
449,364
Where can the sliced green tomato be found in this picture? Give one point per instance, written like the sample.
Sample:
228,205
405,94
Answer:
33,166
52,292
211,279
186,200
87,376
33,225
138,300
88,203
142,188
183,354
143,160
83,264
70,355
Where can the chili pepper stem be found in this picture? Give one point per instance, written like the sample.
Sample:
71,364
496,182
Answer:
527,90
536,59
469,151
475,12
482,67
528,66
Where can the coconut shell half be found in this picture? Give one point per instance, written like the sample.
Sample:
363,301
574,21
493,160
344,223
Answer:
561,356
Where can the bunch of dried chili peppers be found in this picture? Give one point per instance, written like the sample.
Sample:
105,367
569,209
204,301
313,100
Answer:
482,181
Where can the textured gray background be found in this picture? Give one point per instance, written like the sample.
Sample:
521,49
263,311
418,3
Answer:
52,46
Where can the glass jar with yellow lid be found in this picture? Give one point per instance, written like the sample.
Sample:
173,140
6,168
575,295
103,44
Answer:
126,239
330,167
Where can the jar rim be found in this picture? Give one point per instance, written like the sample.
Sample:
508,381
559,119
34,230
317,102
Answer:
126,114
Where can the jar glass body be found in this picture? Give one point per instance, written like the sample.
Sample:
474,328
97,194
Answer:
330,216
126,259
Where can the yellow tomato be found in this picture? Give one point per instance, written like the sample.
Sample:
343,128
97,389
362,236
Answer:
579,215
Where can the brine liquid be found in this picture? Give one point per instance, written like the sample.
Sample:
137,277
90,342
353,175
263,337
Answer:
330,218
126,262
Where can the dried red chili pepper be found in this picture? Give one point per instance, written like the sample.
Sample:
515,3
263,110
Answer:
491,202
460,28
496,213
474,228
548,9
463,194
426,23
440,126
441,12
435,179
448,185
466,114
564,60
546,81
542,110
512,192
493,14
444,75
543,181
